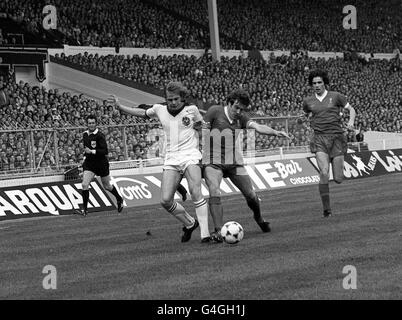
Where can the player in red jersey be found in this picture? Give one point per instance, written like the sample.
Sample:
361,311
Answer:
328,141
222,157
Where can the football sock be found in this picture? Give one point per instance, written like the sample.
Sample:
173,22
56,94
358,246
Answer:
201,210
254,205
178,211
85,197
116,194
324,193
215,207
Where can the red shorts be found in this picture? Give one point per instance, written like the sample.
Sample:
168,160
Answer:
332,144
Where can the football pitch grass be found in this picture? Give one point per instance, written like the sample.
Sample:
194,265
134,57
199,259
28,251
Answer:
110,256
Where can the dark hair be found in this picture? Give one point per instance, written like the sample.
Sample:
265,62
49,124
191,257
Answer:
178,88
239,94
92,117
318,73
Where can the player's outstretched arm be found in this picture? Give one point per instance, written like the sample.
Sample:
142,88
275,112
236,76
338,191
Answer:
134,111
264,129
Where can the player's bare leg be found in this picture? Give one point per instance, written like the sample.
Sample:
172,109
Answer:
112,189
243,183
193,176
170,181
323,186
337,168
87,177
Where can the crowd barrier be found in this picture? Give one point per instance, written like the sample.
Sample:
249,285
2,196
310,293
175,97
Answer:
50,151
72,50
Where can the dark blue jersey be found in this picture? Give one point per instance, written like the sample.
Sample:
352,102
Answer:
95,141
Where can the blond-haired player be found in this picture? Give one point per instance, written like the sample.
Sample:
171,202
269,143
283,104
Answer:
182,157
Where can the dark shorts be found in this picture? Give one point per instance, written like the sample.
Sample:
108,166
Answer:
100,168
229,170
332,144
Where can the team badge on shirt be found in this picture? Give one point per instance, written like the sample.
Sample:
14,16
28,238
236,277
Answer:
186,121
93,143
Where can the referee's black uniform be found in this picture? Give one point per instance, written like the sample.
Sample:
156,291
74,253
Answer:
97,163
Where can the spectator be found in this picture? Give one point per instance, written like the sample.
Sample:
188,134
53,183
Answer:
360,135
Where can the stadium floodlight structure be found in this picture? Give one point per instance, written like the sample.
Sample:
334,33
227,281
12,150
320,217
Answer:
214,29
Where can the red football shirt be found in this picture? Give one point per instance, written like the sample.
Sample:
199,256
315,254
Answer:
226,137
326,117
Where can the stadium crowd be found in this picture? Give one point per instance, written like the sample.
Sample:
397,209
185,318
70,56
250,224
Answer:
277,87
111,23
44,110
302,25
265,25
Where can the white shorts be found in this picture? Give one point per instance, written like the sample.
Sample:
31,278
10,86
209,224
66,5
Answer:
180,164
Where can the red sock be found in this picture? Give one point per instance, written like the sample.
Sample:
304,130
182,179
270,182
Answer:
324,193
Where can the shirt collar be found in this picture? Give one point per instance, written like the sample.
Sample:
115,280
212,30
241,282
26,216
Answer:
95,132
320,98
227,115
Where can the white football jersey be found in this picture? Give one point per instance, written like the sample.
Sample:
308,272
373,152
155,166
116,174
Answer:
181,139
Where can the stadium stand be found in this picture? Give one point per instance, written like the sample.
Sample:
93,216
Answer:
44,110
17,30
276,86
111,23
301,25
264,25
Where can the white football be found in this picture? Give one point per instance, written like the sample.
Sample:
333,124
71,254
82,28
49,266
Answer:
232,232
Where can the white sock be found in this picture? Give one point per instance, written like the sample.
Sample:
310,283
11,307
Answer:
178,211
201,210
